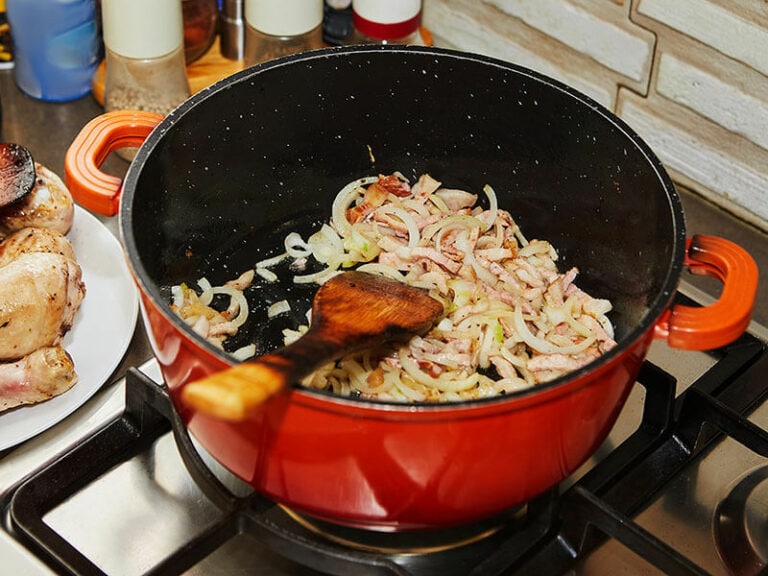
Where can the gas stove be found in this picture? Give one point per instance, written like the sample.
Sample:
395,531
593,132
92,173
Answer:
680,486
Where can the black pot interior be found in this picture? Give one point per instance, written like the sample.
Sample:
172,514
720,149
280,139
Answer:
222,180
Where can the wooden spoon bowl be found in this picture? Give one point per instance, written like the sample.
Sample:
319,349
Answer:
352,311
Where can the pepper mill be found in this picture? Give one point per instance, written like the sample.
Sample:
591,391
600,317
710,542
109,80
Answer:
145,61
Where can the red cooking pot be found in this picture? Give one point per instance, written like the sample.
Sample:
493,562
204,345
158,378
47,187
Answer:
218,183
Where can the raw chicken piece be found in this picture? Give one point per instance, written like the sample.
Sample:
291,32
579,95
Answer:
48,205
43,374
39,295
29,240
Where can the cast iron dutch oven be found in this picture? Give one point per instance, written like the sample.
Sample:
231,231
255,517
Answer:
218,183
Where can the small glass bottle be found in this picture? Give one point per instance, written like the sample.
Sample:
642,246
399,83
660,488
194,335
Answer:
280,27
145,62
386,22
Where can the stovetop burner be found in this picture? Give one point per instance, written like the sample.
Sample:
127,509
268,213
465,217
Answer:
741,524
605,507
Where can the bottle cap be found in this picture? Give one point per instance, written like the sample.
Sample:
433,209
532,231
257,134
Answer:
284,17
386,19
142,28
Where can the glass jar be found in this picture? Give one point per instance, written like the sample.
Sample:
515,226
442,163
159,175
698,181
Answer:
200,23
145,62
277,28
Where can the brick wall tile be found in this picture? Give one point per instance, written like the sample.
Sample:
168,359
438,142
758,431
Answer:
601,32
704,156
737,109
736,28
483,29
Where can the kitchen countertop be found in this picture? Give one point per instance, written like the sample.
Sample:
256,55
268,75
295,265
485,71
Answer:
47,129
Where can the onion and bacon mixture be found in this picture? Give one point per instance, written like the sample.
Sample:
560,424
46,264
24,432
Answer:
511,321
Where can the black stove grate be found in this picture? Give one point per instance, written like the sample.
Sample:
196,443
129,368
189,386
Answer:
548,537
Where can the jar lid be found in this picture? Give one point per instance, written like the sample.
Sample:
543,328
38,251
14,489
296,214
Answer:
142,28
386,19
284,17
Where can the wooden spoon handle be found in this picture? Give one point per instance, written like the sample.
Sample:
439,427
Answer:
234,393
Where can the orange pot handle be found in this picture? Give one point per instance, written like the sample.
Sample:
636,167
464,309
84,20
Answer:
719,324
90,187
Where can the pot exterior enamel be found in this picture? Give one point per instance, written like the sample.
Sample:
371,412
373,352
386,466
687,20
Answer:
376,468
225,177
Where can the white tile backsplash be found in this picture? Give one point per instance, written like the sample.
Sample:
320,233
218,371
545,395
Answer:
612,45
720,101
691,76
737,28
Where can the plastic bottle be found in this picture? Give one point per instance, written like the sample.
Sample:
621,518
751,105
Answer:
279,27
145,68
56,47
386,22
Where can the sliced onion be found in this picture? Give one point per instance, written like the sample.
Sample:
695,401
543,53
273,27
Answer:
493,204
239,299
177,296
320,277
460,381
413,230
280,307
295,246
206,295
543,346
244,352
326,245
267,274
269,262
449,223
343,199
382,270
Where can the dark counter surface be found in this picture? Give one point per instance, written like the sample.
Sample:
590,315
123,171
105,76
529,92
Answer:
47,129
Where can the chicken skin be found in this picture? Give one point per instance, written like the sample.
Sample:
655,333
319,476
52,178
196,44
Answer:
39,296
41,287
48,205
43,374
28,240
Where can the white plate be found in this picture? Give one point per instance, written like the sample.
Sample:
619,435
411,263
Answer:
101,333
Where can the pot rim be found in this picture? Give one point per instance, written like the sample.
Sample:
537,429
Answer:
660,304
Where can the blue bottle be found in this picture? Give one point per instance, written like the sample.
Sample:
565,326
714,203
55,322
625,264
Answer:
56,47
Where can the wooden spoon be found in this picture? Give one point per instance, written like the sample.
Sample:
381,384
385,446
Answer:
17,173
352,311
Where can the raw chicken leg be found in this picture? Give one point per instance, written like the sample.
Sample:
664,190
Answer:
39,295
43,374
48,205
29,240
